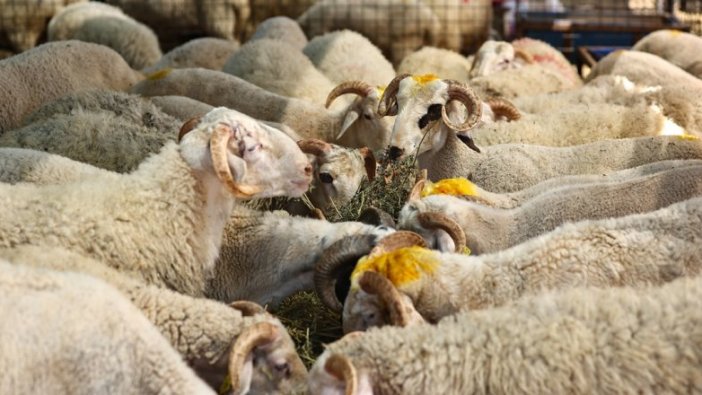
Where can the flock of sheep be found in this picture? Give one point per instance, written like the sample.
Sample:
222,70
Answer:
551,242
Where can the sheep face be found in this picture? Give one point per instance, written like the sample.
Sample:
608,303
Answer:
495,56
435,237
254,160
338,175
427,109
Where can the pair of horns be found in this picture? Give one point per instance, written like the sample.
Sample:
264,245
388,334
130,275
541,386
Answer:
219,149
455,91
318,147
360,88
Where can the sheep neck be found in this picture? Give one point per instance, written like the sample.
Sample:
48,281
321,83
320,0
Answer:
453,159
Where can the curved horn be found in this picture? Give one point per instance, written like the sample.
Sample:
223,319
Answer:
397,240
504,108
340,367
368,162
188,126
525,56
250,338
218,150
248,308
465,95
443,222
376,216
388,101
377,284
360,88
314,146
334,267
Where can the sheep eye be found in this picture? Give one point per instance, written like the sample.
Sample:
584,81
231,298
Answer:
433,114
283,368
254,148
367,116
326,178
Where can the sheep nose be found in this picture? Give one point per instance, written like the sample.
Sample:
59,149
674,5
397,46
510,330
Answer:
395,152
308,169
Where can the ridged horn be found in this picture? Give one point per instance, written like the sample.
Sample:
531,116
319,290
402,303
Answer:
341,368
250,338
360,88
388,101
248,308
462,93
369,162
377,284
397,240
443,222
189,125
376,216
314,147
334,267
525,56
504,108
219,143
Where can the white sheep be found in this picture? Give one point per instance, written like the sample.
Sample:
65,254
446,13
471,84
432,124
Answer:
184,193
107,25
356,126
23,22
206,52
397,28
181,107
173,20
679,48
438,61
578,341
345,55
59,337
280,28
52,70
491,229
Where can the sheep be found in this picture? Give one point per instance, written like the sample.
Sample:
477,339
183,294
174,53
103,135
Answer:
107,25
679,95
469,191
529,80
182,195
207,334
279,68
293,245
357,126
419,101
222,19
345,55
679,48
101,138
181,107
283,29
398,28
490,229
206,52
636,250
23,22
55,69
583,340
263,13
500,55
58,337
438,61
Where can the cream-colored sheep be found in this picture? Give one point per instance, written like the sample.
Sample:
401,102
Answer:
679,48
280,28
438,61
206,52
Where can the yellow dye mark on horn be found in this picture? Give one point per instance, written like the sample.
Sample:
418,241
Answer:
686,136
157,75
450,186
424,78
400,266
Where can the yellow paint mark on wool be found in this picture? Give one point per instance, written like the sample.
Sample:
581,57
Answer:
380,90
159,74
424,78
674,32
450,186
687,137
400,266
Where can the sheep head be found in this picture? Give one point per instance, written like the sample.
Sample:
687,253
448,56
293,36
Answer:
426,108
494,56
361,125
251,159
338,171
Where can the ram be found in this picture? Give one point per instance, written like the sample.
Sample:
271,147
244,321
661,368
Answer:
209,335
636,250
679,48
577,341
281,28
206,52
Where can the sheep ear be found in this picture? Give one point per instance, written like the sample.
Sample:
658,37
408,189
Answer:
349,119
416,192
189,125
